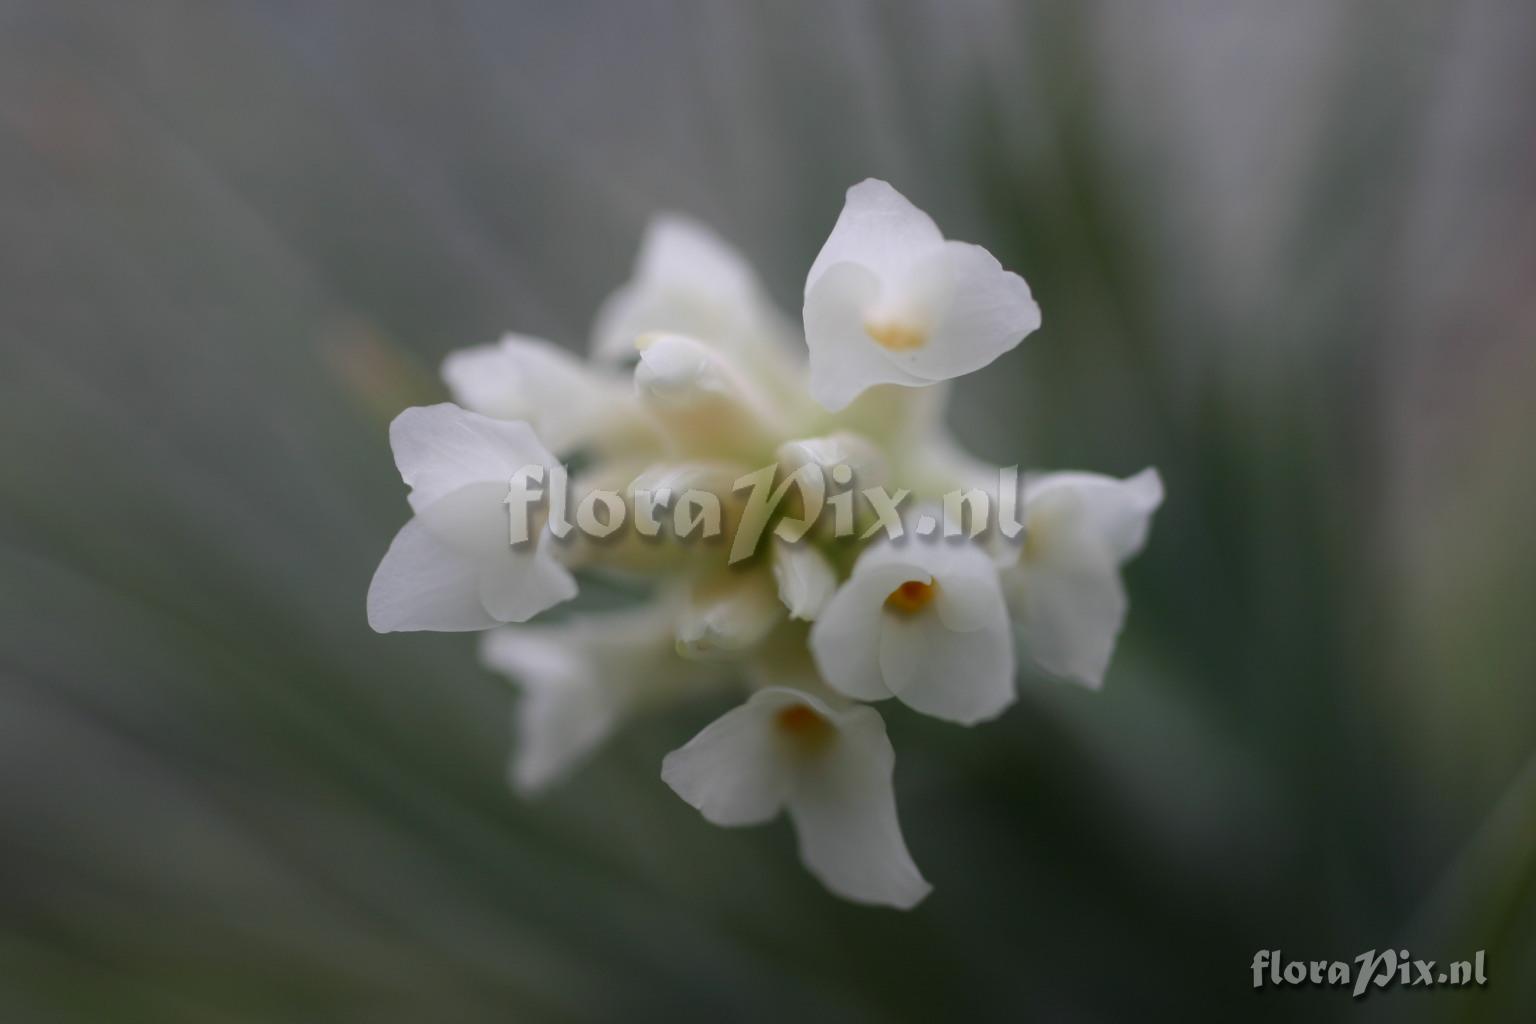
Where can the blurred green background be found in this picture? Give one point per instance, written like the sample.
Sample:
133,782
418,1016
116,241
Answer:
1286,252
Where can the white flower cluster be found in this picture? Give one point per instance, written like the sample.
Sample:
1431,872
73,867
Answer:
812,630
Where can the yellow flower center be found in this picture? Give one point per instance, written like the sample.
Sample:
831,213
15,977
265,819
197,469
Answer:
896,336
911,597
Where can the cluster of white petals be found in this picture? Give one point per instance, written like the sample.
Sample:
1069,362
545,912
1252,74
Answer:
697,381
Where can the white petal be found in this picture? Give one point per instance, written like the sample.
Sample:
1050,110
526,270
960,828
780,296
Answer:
703,398
1065,588
937,464
473,519
440,448
687,280
522,378
806,579
581,678
959,677
519,584
1103,512
735,772
845,639
453,567
844,810
565,711
682,252
845,361
898,418
843,448
423,583
512,584
727,615
878,228
1070,616
488,380
970,597
975,309
675,369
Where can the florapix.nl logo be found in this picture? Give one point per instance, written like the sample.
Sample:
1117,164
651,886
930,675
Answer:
743,508
1379,969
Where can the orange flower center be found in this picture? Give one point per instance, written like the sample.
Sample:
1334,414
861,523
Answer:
801,723
911,597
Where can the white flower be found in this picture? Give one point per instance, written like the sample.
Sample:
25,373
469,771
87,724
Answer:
830,769
923,621
568,404
1065,588
453,566
583,678
890,301
734,483
688,281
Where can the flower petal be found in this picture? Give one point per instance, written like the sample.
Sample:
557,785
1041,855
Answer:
440,448
844,810
845,639
937,464
581,678
678,370
518,584
864,460
1070,615
727,615
806,579
704,400
565,711
1106,513
521,378
977,311
689,281
968,593
1065,588
512,584
473,519
878,228
423,583
845,361
959,677
736,771
899,418
968,596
